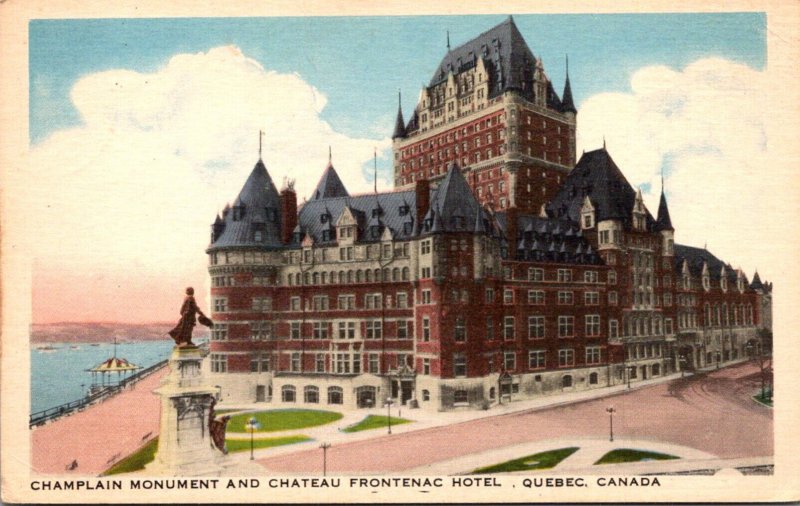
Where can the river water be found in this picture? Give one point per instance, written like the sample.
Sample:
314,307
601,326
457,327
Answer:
59,375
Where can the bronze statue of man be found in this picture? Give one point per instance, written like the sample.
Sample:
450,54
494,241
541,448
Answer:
182,333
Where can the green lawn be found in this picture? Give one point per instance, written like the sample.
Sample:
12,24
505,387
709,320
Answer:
240,445
283,419
543,460
374,422
767,401
627,455
135,461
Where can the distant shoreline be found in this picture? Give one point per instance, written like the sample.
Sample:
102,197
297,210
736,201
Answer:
101,332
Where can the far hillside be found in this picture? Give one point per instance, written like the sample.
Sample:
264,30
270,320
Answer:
97,332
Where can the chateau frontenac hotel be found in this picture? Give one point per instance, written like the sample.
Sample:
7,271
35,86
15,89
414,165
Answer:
500,267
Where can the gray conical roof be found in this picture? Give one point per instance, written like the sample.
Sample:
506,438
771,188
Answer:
255,219
329,186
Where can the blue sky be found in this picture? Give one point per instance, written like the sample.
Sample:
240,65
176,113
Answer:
359,63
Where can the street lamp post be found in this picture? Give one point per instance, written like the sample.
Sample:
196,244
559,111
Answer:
682,360
389,413
630,372
325,447
611,412
252,425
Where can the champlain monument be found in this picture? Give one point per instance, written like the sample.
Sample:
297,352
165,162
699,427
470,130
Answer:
191,440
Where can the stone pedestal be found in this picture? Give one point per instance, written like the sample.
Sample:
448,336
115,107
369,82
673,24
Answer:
185,447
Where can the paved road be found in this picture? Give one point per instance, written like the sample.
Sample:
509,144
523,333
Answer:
712,413
100,435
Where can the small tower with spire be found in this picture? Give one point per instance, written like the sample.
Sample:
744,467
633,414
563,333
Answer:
664,223
399,124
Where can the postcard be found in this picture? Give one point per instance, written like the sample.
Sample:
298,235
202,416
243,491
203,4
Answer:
399,253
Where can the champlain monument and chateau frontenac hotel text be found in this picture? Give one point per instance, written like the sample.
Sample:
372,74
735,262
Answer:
501,267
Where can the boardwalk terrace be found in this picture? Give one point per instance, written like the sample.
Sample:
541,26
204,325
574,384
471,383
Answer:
437,297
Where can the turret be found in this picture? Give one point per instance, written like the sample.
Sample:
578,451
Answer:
664,224
567,104
399,124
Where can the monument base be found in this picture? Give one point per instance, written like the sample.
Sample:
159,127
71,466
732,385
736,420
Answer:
185,446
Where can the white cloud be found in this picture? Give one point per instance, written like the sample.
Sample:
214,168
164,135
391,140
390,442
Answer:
139,182
707,125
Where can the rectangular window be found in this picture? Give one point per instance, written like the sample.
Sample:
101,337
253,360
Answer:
489,328
460,333
612,277
592,325
295,363
219,332
426,272
667,299
320,330
612,299
295,330
220,304
347,330
320,302
510,360
565,297
262,304
402,329
319,362
260,330
566,326
535,274
536,297
426,329
426,296
668,326
356,363
613,328
219,363
536,359
374,329
425,247
566,357
459,365
590,277
564,275
294,304
372,301
489,295
508,328
508,296
373,363
592,355
346,302
426,366
535,327
342,363
591,298
402,300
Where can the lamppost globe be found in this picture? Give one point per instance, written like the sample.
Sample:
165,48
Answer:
252,425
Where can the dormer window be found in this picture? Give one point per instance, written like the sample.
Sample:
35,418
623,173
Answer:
404,210
457,222
723,283
377,212
258,236
327,235
408,228
324,218
238,213
706,283
375,231
272,214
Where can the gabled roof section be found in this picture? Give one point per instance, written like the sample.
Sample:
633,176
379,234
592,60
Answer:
255,218
395,211
598,177
454,207
507,57
697,257
663,222
329,186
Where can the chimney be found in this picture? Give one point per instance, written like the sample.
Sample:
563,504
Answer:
511,231
288,213
423,191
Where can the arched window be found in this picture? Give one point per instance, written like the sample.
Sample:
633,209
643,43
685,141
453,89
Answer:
349,276
368,276
460,397
492,393
426,395
725,314
708,314
311,394
593,378
395,274
405,273
385,274
717,316
335,395
315,278
359,276
325,278
297,279
288,393
566,381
